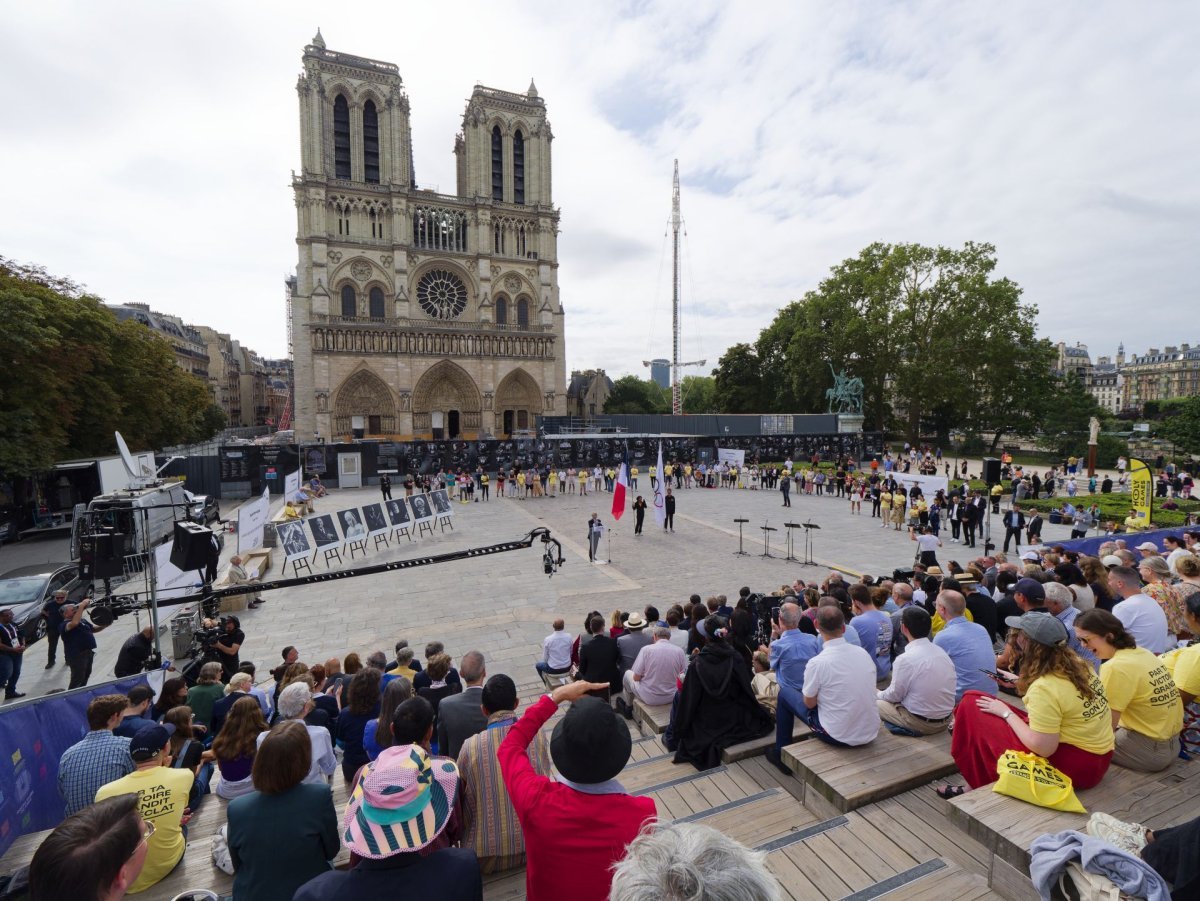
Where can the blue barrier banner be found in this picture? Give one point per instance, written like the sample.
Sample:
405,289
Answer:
1089,546
33,737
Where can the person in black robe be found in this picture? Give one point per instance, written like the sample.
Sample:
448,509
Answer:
716,707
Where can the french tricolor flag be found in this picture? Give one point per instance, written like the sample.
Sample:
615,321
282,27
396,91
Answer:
622,486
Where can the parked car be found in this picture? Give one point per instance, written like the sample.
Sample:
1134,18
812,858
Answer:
26,590
202,508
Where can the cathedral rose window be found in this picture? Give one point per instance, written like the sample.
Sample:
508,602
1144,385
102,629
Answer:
442,294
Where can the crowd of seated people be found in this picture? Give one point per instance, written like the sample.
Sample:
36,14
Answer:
449,778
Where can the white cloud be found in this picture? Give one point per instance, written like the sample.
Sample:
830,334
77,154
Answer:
149,151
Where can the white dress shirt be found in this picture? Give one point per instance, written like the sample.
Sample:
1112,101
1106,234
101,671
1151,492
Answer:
1145,621
842,679
556,649
923,680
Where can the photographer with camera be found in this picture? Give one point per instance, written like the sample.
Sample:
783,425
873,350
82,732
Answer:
79,642
228,645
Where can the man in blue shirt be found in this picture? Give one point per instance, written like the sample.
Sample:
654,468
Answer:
874,628
790,652
79,642
98,758
968,645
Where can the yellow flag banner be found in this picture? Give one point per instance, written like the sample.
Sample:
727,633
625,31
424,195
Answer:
1141,491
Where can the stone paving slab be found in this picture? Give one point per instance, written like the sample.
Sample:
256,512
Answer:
504,604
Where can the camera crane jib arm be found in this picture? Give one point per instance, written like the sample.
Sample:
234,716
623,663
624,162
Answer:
552,558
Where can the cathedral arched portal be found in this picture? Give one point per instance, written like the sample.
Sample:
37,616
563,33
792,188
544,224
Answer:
518,402
363,405
446,402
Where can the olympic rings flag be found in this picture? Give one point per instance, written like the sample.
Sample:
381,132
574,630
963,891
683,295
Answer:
660,509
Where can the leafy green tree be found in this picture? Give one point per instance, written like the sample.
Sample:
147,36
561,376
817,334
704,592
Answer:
1065,420
930,332
1181,425
699,394
738,383
73,375
633,395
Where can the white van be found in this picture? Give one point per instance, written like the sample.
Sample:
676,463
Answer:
147,516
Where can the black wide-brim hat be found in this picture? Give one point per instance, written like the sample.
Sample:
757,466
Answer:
589,744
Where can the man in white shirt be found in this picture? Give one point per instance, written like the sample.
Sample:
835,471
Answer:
295,703
654,673
920,699
839,687
1138,612
556,651
1176,549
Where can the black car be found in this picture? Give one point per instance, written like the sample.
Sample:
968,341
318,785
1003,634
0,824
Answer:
202,508
26,590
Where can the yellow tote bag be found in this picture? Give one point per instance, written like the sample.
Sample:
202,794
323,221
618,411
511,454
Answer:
1032,778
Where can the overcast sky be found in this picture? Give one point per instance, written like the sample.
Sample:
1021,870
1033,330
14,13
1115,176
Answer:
148,150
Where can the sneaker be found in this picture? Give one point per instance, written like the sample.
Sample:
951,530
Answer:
1128,837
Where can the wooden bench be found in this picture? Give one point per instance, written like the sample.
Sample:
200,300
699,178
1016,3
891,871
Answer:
654,719
1007,826
758,746
848,778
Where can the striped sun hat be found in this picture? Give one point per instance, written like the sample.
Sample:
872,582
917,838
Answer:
401,803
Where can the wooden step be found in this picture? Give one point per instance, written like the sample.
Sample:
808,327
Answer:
758,746
654,719
849,778
1006,826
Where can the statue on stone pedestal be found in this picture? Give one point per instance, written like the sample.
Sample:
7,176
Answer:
846,395
1093,430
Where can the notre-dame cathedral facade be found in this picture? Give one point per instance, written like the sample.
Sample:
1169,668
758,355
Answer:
416,314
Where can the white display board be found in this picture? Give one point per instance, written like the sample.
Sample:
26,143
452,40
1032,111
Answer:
252,519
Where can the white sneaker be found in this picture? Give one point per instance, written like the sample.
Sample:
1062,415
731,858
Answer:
1128,837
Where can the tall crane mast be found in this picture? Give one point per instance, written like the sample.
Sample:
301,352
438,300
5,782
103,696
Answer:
676,223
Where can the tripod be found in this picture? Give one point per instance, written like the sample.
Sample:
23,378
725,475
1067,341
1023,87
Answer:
808,543
740,552
767,530
791,542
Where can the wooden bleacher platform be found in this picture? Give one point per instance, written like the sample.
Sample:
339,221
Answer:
1006,827
852,823
849,778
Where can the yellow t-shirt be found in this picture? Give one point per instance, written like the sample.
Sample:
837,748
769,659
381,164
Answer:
1184,666
668,471
634,472
937,624
1055,706
1140,686
885,499
162,796
1133,524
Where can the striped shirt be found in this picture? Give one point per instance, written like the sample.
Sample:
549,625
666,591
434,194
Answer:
490,825
97,759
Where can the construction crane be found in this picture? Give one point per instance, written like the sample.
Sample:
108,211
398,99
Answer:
676,365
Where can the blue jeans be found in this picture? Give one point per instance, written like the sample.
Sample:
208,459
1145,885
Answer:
789,704
814,723
10,672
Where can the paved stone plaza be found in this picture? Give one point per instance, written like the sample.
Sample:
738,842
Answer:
504,604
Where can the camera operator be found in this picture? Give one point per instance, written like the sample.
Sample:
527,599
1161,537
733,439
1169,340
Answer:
134,653
228,644
79,642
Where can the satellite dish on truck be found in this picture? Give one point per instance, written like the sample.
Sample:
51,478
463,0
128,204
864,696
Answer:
138,474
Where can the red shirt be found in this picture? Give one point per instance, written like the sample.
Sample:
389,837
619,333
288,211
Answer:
572,839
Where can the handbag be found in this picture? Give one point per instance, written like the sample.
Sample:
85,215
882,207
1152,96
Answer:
1034,779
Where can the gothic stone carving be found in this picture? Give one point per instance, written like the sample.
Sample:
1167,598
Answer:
361,270
386,259
405,401
335,256
512,282
488,399
322,402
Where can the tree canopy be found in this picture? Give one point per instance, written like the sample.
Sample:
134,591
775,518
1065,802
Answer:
633,395
73,375
938,341
1181,424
